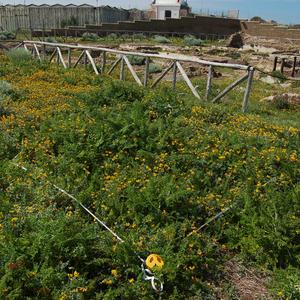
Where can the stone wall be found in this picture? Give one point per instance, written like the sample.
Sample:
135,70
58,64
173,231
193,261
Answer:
198,26
269,30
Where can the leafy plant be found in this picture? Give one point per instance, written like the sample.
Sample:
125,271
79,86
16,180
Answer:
19,56
50,39
112,36
154,68
281,102
7,35
279,75
136,60
161,39
89,36
190,40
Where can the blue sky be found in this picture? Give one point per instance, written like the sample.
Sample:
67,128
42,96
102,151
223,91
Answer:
284,11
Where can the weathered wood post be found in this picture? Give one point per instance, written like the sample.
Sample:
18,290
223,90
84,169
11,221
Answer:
294,66
44,52
282,65
275,63
209,81
146,78
248,89
175,74
122,70
85,59
57,56
103,62
69,58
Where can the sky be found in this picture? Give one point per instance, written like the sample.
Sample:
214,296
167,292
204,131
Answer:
283,11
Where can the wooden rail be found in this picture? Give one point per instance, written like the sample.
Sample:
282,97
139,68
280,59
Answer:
39,50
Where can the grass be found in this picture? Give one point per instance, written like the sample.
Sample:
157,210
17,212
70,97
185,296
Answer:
154,165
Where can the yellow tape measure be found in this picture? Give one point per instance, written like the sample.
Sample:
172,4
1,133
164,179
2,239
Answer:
154,261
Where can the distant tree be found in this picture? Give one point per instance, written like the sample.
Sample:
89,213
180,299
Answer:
258,19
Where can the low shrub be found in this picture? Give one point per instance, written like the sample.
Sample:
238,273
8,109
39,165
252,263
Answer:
19,56
154,68
161,39
235,55
136,60
50,39
7,35
279,75
5,88
138,36
112,36
281,102
125,36
190,40
89,36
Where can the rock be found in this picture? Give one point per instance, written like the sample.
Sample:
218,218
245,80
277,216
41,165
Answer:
194,71
290,98
270,80
286,85
236,41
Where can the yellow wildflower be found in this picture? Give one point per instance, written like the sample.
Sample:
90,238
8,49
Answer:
131,280
107,281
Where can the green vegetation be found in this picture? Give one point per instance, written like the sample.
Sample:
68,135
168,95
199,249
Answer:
88,36
7,35
154,165
161,39
154,68
136,60
19,56
190,40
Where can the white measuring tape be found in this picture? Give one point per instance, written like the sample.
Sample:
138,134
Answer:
156,284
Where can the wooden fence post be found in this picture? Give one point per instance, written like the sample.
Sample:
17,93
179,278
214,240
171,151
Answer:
248,89
122,70
282,65
69,58
294,66
146,78
209,81
103,62
275,63
175,74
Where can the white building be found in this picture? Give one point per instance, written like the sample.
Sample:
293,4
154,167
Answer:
163,9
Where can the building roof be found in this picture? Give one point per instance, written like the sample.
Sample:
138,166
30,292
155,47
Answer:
167,2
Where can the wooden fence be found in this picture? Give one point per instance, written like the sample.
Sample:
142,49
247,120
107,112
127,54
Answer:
287,62
40,50
17,17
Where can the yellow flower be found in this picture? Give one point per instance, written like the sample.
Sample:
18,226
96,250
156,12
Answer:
293,157
280,293
76,274
14,220
107,281
82,289
131,280
114,272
